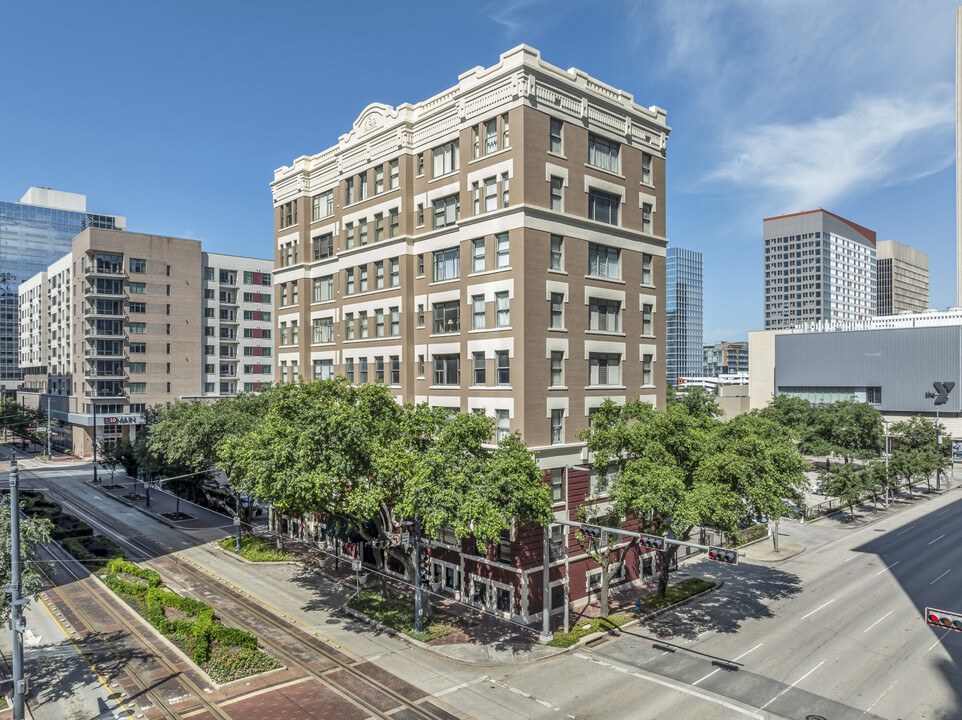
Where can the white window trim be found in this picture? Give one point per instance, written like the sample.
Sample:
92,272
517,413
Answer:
608,187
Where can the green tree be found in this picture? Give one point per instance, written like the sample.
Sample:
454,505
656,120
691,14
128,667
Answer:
608,552
680,468
915,449
109,456
846,482
33,532
353,452
187,436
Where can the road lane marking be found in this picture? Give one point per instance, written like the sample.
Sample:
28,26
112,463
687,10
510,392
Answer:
940,512
673,686
461,686
941,576
886,568
904,531
735,660
849,558
936,642
878,621
880,696
792,685
937,539
819,608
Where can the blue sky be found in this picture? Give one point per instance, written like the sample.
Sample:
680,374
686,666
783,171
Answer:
176,114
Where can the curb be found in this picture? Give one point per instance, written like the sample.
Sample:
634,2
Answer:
232,554
156,516
648,616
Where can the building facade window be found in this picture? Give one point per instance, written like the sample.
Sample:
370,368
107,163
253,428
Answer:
557,193
603,153
503,307
647,314
646,374
138,265
447,317
556,136
479,369
557,426
322,205
447,264
556,310
556,260
322,246
323,289
646,168
604,315
502,425
646,217
447,369
557,368
502,255
477,255
646,260
447,211
477,312
604,261
604,369
446,159
502,367
603,206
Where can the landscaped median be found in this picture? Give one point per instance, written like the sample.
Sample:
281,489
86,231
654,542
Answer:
223,652
649,604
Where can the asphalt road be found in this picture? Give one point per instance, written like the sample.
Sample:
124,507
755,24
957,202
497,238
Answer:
836,632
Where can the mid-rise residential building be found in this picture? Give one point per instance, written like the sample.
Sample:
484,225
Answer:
902,278
34,232
723,358
684,309
128,320
500,248
818,266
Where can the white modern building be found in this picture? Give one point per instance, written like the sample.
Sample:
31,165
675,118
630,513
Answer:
818,266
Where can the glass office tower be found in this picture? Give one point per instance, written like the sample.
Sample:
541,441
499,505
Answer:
33,233
684,314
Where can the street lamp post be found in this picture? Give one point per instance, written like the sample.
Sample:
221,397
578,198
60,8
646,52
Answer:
567,587
15,590
96,480
48,426
886,423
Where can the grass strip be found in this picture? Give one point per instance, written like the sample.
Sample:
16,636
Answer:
397,611
256,549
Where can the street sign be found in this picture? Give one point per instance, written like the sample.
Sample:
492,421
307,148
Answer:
405,537
396,540
943,619
355,564
592,531
237,520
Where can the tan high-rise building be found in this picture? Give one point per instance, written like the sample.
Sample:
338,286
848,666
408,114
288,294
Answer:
128,320
903,278
499,247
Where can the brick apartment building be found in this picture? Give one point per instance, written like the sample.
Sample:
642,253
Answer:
499,247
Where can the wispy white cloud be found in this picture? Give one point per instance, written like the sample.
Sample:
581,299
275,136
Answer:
508,14
878,141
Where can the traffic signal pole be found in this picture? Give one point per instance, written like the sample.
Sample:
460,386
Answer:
418,619
629,533
16,603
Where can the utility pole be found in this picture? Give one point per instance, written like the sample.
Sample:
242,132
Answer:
418,619
95,443
938,450
546,635
237,520
16,612
48,426
886,423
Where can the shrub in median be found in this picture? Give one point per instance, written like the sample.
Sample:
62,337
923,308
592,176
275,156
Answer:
93,552
116,568
234,637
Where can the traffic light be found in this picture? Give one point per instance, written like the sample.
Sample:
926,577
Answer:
729,557
943,619
652,541
592,531
425,568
